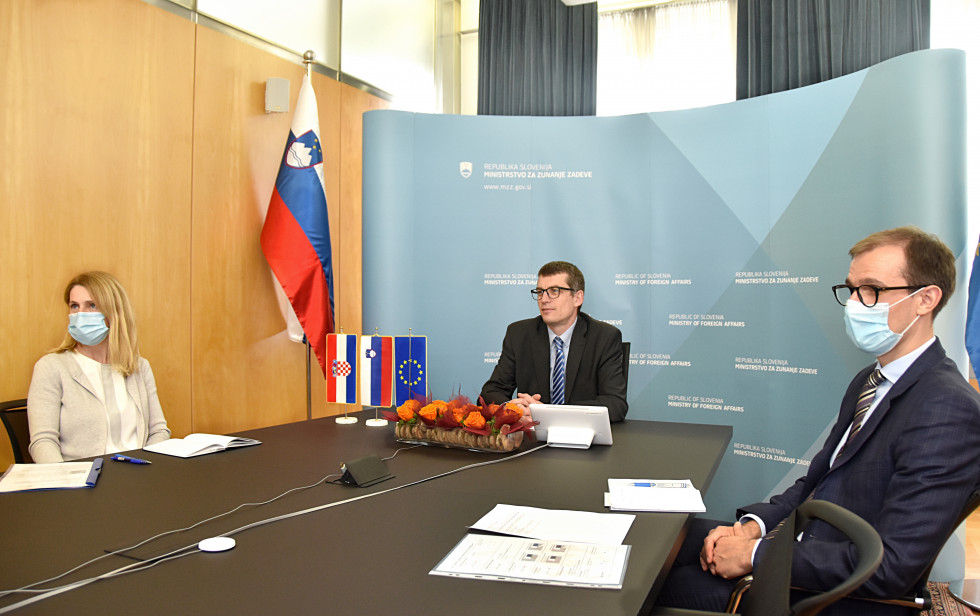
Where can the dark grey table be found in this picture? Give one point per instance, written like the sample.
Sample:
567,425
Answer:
371,556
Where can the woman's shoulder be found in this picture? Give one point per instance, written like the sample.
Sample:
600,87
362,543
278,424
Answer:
55,367
143,366
55,360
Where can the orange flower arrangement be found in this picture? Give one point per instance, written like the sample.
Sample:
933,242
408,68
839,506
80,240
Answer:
407,411
458,415
475,420
432,411
459,422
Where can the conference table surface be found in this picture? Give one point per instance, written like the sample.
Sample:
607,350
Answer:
368,556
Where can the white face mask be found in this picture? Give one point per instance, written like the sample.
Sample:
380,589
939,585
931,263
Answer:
868,327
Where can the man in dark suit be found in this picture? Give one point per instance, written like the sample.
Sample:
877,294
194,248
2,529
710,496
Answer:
562,356
903,453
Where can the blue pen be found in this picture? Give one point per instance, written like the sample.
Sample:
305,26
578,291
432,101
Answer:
654,484
121,458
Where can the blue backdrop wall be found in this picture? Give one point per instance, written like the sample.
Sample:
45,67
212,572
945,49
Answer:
710,237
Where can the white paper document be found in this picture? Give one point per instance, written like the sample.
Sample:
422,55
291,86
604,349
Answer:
532,561
57,476
557,525
663,495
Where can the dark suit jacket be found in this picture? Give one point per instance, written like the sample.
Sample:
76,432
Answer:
908,473
593,368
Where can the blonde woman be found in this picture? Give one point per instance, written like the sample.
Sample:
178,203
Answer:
94,394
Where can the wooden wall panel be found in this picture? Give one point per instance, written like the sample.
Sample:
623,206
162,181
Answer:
95,158
247,372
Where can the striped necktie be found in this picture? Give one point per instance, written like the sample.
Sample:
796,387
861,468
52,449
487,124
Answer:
558,376
863,404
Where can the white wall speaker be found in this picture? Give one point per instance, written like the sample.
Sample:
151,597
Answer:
276,95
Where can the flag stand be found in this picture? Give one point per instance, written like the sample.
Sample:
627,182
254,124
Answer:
377,421
345,419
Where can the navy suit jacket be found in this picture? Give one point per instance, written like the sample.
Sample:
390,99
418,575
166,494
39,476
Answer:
593,368
908,472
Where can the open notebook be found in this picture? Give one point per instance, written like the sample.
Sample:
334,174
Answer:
199,444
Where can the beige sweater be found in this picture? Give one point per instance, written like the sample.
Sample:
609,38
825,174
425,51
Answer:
67,419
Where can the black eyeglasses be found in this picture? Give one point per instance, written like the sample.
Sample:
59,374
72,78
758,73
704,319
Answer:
867,294
553,292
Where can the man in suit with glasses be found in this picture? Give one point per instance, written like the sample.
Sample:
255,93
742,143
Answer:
562,356
902,454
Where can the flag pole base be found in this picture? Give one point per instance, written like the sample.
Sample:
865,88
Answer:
376,422
346,420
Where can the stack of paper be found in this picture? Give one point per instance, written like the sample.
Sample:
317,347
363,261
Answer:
670,495
557,524
532,561
568,548
59,476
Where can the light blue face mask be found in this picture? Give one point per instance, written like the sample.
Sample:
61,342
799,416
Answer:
87,328
868,327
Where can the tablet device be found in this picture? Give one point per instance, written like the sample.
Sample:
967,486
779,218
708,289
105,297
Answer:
568,425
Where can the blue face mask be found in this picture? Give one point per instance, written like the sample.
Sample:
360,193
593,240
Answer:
87,328
868,327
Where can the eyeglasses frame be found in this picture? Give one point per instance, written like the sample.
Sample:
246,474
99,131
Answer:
877,291
537,294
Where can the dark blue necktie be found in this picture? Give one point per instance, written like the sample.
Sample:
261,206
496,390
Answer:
558,376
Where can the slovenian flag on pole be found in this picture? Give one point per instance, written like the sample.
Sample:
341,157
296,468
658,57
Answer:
410,377
296,234
377,360
973,315
342,368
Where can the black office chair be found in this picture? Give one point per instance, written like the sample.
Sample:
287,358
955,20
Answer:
626,363
966,591
14,416
921,598
768,594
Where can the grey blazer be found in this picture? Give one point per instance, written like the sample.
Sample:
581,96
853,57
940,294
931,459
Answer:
67,419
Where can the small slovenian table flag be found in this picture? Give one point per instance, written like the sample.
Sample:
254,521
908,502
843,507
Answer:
377,375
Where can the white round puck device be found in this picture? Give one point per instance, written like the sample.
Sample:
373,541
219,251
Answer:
216,544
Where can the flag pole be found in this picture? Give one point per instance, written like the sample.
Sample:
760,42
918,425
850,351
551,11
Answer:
411,394
309,395
308,58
